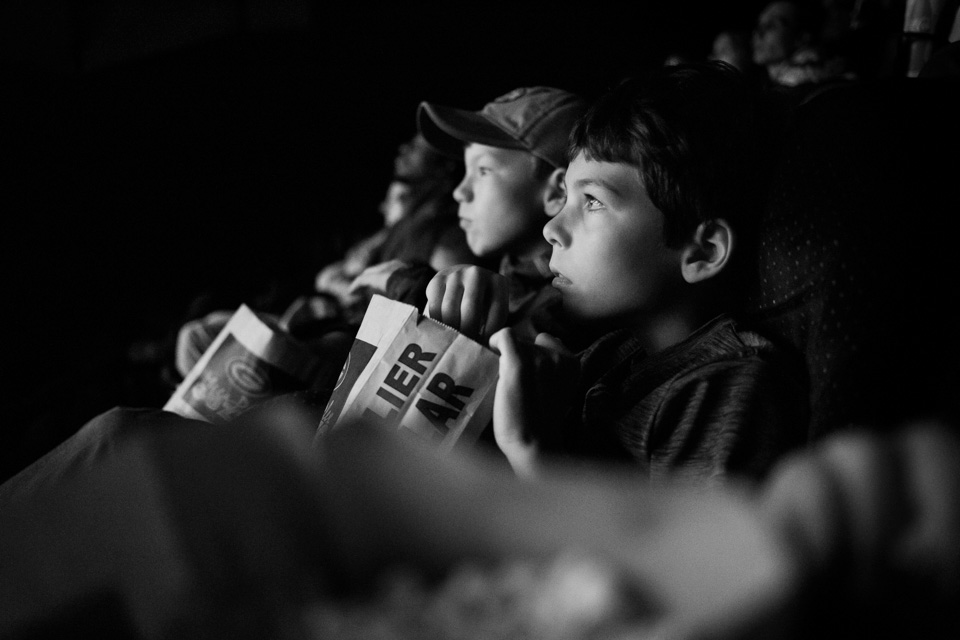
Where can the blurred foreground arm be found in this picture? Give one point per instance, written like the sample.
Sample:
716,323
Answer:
183,528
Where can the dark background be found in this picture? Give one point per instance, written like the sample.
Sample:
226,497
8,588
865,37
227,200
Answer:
161,150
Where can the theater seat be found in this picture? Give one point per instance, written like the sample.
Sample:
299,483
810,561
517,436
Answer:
858,252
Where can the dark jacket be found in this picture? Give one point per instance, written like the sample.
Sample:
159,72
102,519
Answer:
724,401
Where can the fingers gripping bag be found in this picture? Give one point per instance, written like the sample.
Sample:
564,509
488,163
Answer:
249,361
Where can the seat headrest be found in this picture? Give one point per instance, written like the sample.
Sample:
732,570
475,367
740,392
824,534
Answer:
855,258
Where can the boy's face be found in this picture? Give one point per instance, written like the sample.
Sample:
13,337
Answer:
501,200
612,265
776,35
396,203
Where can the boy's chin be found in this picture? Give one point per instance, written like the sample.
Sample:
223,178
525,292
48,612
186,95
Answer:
576,318
479,249
585,321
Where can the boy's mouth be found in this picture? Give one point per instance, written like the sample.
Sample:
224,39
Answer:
559,279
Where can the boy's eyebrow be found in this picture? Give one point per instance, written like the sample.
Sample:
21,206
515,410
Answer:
597,182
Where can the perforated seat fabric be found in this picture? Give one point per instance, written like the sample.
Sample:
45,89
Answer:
857,252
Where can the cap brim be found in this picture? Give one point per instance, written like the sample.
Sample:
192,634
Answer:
447,129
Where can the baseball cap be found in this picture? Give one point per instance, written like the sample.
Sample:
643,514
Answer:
534,119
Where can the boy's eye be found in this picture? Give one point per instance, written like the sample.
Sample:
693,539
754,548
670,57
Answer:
591,203
483,170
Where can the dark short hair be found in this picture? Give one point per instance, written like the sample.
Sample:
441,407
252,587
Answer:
695,132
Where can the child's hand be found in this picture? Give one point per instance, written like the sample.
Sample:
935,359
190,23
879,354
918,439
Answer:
531,397
330,278
195,336
510,428
468,298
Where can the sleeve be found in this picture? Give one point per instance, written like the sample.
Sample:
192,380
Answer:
409,284
728,418
90,446
364,253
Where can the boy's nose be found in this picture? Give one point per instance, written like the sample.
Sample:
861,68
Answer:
554,233
462,192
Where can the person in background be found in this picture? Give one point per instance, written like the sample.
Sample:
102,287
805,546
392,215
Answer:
788,44
734,47
419,226
418,199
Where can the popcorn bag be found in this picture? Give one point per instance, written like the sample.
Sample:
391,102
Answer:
409,372
248,362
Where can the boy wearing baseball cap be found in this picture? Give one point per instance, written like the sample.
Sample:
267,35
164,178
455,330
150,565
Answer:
514,150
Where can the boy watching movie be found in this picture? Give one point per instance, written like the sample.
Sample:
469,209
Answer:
648,251
514,150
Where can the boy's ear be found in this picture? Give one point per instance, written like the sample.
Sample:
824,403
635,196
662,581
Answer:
554,195
708,252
